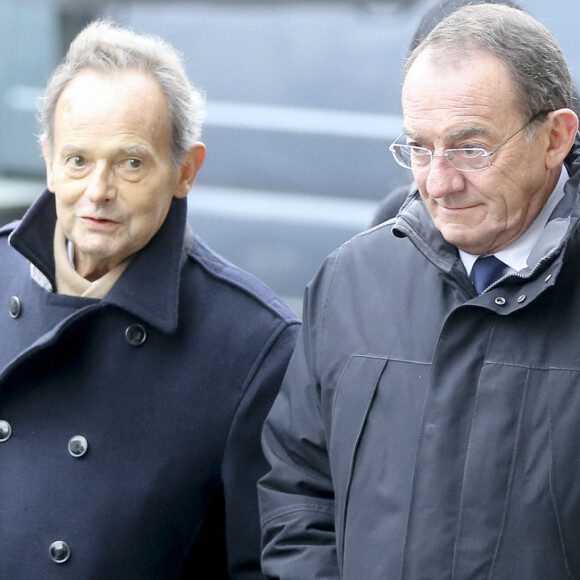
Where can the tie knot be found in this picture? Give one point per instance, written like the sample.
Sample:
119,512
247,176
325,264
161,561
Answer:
486,270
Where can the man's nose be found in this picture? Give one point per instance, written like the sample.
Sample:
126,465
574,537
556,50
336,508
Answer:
443,178
101,185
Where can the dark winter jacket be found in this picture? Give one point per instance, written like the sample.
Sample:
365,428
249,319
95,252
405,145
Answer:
424,432
131,424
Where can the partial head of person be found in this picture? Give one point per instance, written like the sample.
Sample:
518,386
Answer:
121,125
487,99
442,9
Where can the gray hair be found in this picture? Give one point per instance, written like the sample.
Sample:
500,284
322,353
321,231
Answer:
526,48
105,47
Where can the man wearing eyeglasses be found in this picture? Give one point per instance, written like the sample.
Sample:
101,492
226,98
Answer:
429,423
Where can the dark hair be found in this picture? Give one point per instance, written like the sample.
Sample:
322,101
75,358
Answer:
524,45
442,9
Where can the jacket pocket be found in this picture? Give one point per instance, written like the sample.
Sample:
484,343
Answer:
353,399
564,461
374,430
541,504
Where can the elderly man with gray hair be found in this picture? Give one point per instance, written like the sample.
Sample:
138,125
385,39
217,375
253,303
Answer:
136,365
428,425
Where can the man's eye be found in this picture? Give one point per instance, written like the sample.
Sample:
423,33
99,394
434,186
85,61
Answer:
132,164
418,151
75,161
471,152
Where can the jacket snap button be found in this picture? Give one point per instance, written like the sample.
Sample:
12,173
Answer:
135,335
78,446
547,278
14,307
5,431
521,298
59,552
500,300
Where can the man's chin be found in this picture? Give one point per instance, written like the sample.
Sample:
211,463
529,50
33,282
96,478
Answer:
465,238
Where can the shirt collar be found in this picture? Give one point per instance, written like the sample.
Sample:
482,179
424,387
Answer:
516,254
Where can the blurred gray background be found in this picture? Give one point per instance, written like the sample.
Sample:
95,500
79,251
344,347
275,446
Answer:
303,100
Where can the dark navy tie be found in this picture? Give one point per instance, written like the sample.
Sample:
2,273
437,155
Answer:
486,270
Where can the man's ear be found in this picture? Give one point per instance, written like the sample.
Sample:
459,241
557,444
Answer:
193,161
48,161
564,125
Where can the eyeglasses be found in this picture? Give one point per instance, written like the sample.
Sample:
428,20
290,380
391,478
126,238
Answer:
464,159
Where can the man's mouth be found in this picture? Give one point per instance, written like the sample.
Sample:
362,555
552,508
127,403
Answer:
99,220
462,208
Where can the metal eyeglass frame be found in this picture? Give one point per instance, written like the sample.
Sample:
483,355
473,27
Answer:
448,153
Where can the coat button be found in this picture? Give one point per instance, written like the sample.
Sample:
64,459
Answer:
135,335
500,300
5,431
14,307
78,446
59,552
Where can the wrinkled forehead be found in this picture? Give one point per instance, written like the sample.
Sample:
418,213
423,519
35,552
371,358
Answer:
95,96
453,60
471,85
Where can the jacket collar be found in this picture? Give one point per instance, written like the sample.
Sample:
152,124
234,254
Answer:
414,221
149,287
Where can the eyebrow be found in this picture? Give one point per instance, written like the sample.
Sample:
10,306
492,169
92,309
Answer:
131,151
69,149
135,151
455,135
466,132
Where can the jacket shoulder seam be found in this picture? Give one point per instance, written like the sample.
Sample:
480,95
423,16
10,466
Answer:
221,269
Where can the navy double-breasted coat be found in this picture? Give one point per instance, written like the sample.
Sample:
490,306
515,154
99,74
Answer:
129,426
